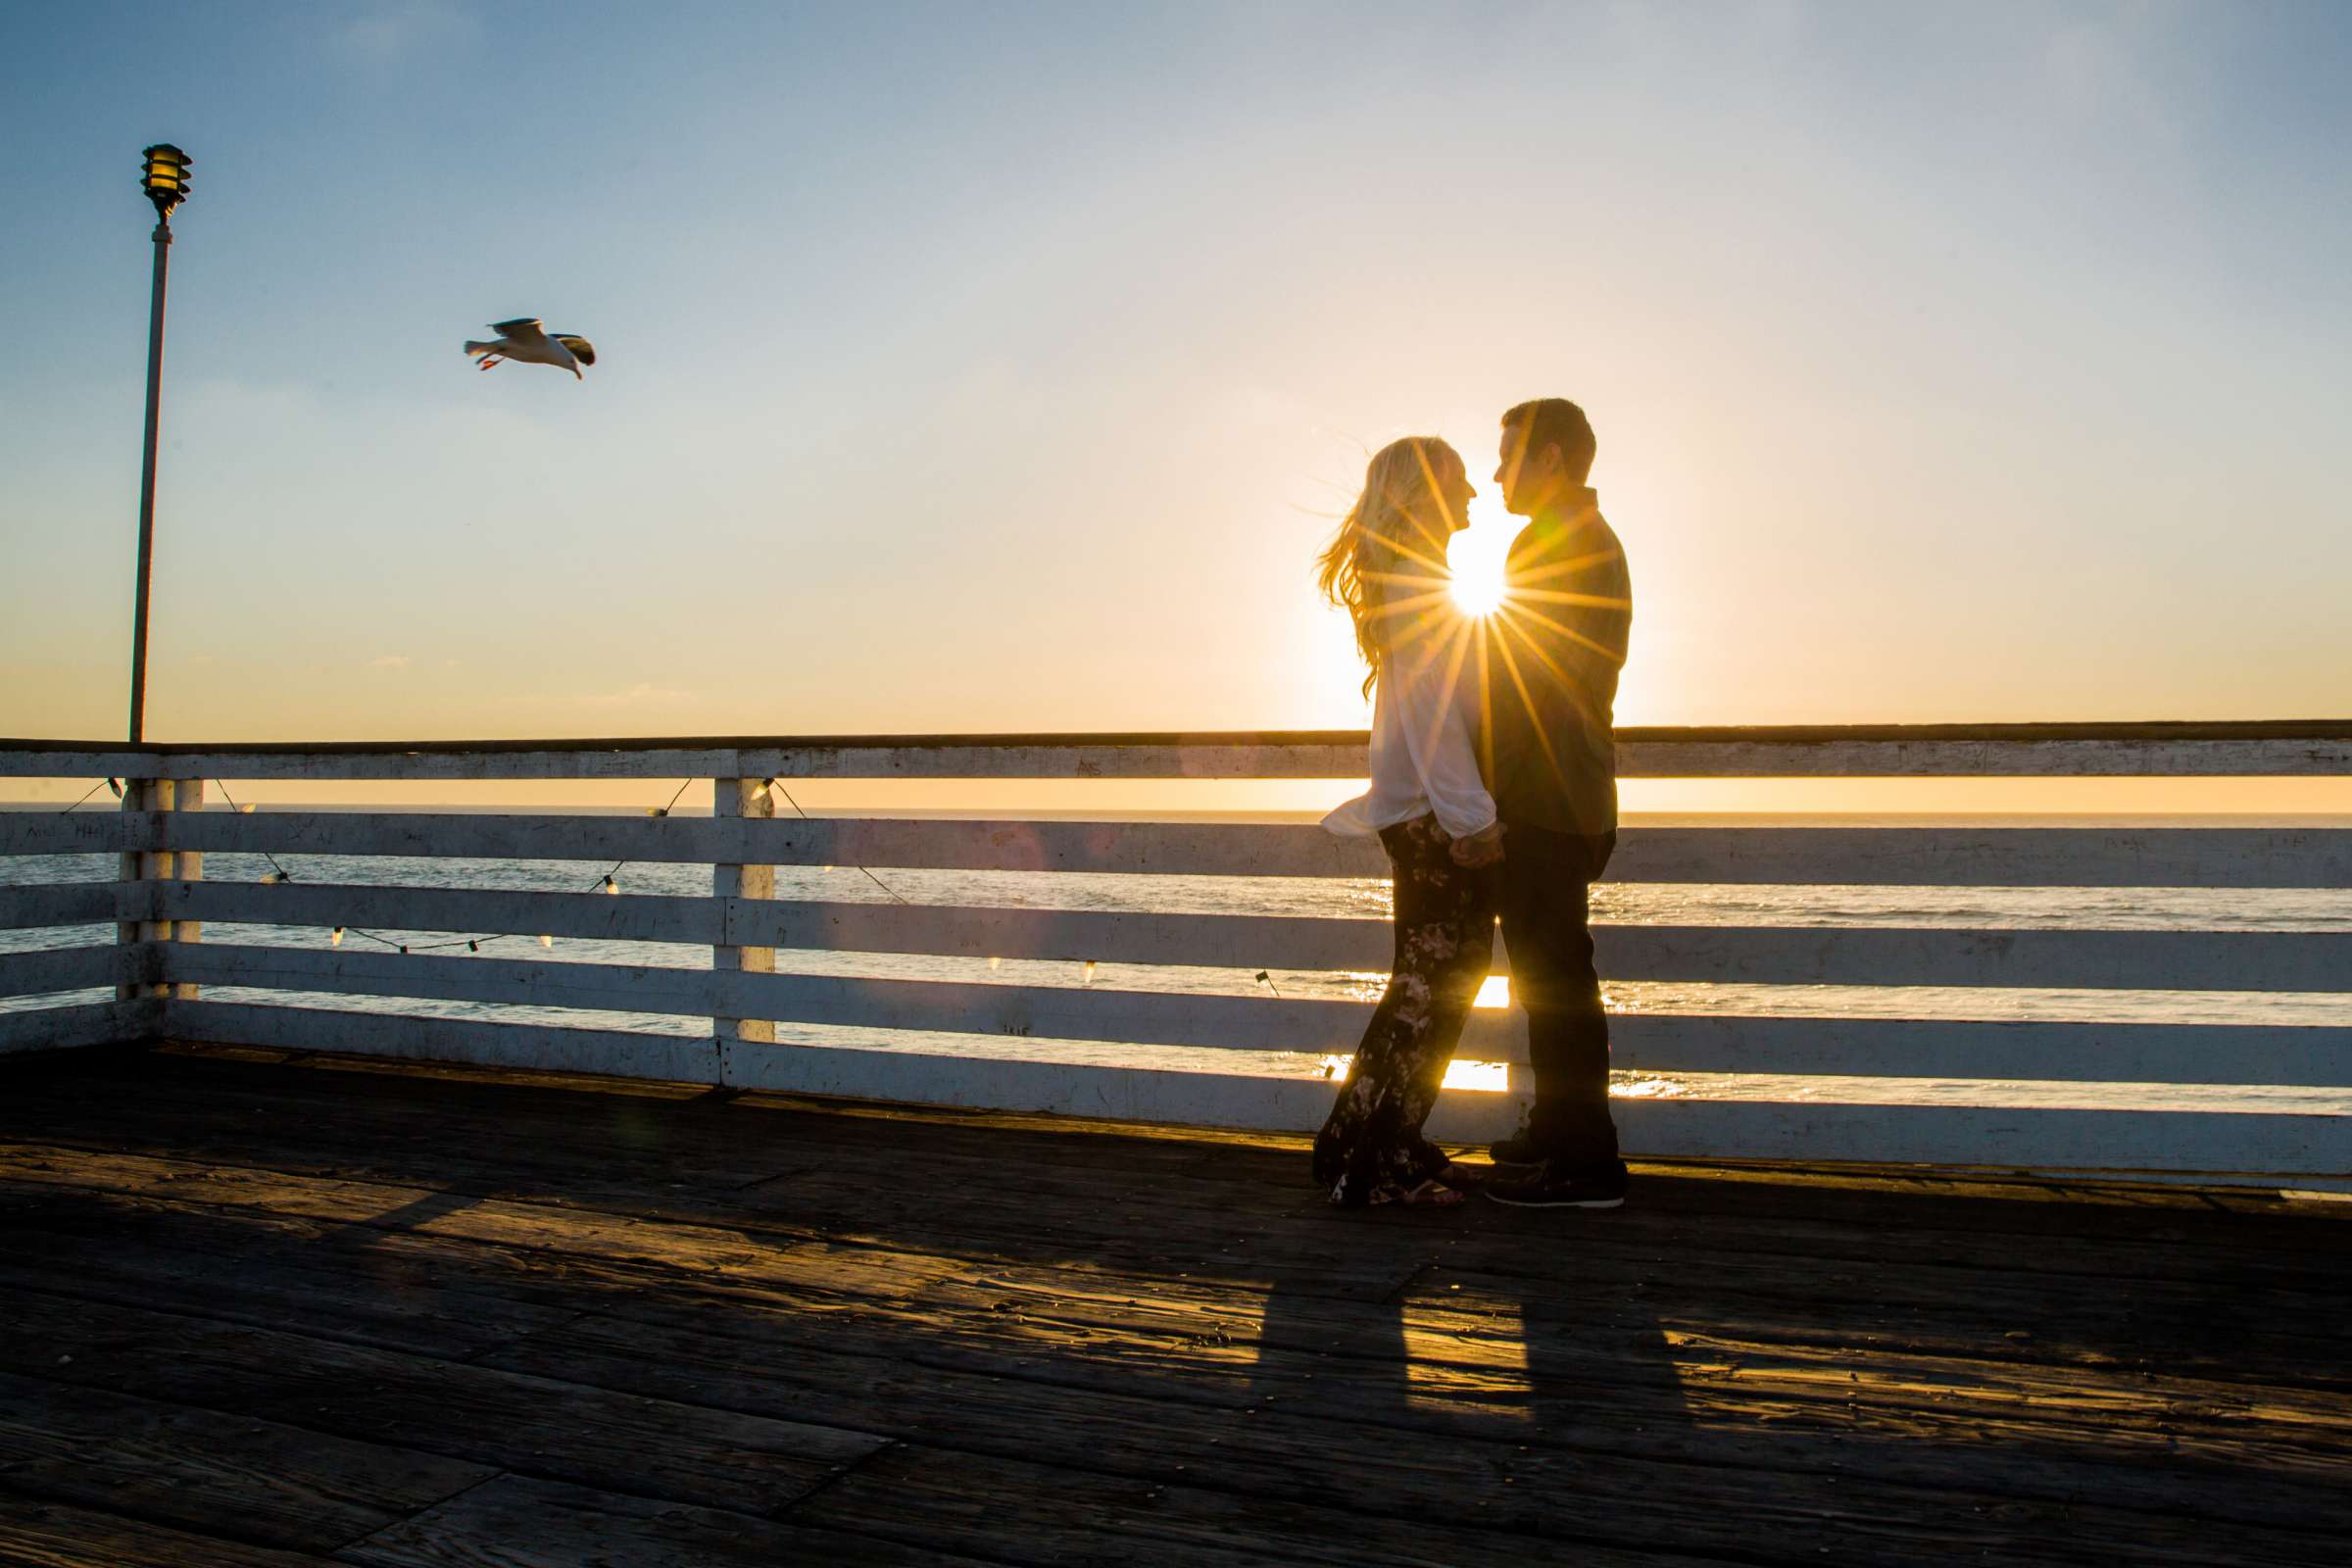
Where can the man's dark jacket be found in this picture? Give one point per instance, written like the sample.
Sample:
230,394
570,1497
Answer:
1550,676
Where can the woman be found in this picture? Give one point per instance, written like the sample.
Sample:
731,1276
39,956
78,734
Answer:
1387,568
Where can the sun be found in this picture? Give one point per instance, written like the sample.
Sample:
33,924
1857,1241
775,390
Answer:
1475,557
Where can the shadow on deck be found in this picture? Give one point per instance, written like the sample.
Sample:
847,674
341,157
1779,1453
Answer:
266,1310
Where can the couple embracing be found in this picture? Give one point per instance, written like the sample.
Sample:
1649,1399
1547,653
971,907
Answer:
1494,790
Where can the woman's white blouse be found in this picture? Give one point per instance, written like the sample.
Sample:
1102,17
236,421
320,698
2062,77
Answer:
1422,756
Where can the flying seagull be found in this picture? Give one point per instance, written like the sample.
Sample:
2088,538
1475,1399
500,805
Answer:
525,341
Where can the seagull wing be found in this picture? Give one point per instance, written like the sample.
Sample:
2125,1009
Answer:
581,349
522,330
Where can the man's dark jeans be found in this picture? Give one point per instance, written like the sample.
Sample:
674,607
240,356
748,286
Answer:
1545,888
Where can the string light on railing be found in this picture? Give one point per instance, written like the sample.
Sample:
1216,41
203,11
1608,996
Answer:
1267,981
87,794
1090,972
607,883
116,785
770,784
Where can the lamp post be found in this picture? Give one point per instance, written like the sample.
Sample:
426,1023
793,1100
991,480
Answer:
165,179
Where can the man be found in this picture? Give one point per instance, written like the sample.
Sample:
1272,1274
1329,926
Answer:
1549,665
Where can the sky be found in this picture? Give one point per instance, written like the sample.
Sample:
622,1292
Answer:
1002,369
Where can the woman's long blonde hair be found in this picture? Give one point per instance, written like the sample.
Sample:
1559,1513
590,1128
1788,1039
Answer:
1387,554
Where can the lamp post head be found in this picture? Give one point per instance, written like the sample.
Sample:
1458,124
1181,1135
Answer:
165,178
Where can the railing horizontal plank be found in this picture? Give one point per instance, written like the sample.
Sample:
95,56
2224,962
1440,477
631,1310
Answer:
2230,1146
40,904
34,974
89,1023
1142,1018
2253,748
1993,856
612,1052
62,832
2093,961
519,982
1984,1050
1221,940
1988,857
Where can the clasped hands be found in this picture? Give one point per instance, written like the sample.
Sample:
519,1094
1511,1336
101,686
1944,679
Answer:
1479,849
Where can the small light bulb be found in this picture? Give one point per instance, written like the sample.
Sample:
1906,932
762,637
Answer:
116,785
612,886
994,965
547,941
336,940
473,946
245,810
1090,971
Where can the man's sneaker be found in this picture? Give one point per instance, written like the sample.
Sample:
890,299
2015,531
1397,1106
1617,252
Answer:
1517,1150
1554,1185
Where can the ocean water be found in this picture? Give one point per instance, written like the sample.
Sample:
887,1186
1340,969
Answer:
1812,908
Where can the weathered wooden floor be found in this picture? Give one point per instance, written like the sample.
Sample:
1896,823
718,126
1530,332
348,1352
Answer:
263,1311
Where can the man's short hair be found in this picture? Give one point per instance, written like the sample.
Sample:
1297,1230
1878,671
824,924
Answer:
1558,423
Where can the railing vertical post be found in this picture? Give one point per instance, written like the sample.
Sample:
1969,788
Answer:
739,798
142,869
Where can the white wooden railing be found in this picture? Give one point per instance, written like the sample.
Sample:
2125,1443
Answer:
159,965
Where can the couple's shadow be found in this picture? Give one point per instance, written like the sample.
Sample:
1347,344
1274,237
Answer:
1515,1341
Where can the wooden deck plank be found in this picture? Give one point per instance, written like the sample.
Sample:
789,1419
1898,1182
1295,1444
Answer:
232,1477
959,1498
1323,1446
1002,1336
553,1428
694,1162
517,1523
2267,1333
326,1080
1470,1371
36,1533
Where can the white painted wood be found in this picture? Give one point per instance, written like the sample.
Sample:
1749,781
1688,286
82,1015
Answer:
1212,1023
158,800
96,1023
1784,956
528,982
2270,1148
2102,960
2285,858
54,969
2053,1139
2256,749
2197,959
610,1053
692,919
1988,857
1991,758
84,832
743,799
1994,1052
158,905
2135,1053
1221,940
1119,1093
44,904
2025,1140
